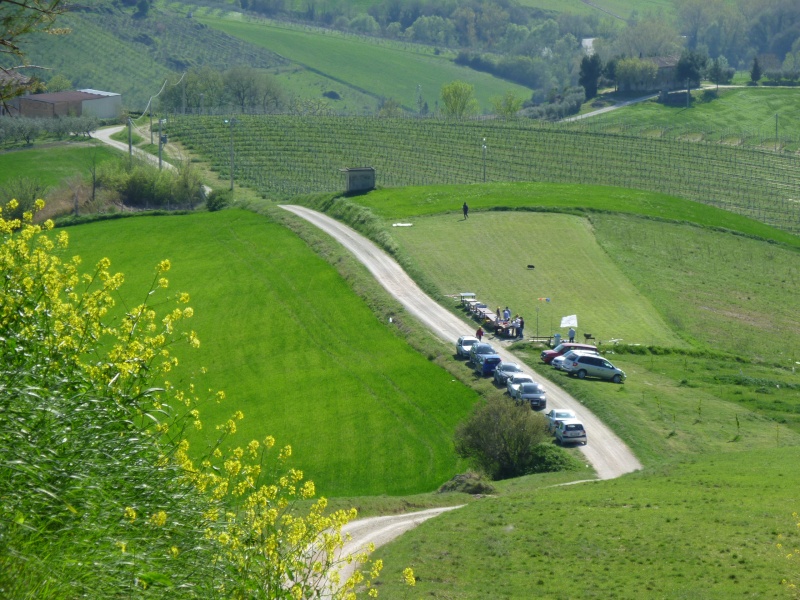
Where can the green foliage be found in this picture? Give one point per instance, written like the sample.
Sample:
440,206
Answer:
690,67
25,190
507,106
755,71
502,439
218,199
635,73
589,77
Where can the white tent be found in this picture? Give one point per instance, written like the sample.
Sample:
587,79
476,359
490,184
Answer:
570,321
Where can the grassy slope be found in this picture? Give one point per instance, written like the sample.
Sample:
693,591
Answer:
706,528
391,204
62,162
296,351
745,111
382,71
571,269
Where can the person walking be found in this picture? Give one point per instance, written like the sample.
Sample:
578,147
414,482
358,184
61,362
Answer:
520,327
571,334
465,208
479,333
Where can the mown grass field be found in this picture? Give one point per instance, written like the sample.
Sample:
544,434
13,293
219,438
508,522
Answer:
63,161
374,68
282,156
739,116
705,527
305,359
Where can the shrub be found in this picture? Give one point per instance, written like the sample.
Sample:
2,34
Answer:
500,438
218,199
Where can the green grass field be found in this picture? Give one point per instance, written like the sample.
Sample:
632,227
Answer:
63,161
741,116
374,68
706,527
304,358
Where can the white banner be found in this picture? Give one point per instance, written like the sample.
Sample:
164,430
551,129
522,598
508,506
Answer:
570,321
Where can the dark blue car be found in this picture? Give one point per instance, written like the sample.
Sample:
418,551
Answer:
486,364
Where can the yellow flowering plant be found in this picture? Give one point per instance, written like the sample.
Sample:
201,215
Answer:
100,495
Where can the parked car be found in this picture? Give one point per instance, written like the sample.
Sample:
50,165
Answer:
558,362
486,364
532,393
513,382
547,356
593,366
504,371
570,431
464,344
554,415
479,349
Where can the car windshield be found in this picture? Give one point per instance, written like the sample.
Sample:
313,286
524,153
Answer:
563,414
512,368
559,348
483,349
493,360
574,427
521,379
529,387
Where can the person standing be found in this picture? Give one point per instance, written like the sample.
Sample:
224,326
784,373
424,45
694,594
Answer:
507,314
571,334
479,333
520,327
465,208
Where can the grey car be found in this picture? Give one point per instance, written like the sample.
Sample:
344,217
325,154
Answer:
593,366
513,382
504,371
570,431
558,362
532,393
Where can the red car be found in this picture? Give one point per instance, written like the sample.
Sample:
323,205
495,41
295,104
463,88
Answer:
549,355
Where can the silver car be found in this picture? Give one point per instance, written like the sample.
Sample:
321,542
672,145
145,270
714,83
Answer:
504,371
570,431
558,361
532,393
554,415
515,381
464,344
593,366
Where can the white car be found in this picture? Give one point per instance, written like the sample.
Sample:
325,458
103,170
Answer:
514,382
464,345
558,414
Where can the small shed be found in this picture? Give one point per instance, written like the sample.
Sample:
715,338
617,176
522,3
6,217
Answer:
359,179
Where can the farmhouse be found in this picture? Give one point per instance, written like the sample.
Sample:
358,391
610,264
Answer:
104,105
664,80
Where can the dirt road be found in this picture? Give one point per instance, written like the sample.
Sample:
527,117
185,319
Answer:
609,456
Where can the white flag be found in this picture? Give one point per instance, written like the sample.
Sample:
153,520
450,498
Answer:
570,321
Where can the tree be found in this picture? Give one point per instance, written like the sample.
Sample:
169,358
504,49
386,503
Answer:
18,20
633,73
508,105
755,71
591,69
458,99
59,83
501,438
690,66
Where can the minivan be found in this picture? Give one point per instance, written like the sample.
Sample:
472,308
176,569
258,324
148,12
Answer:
593,366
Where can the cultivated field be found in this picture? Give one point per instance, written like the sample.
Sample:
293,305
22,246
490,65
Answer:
281,156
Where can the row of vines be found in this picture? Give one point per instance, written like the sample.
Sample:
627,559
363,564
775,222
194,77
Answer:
282,156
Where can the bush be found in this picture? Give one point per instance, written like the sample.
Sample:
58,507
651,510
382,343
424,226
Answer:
501,438
218,199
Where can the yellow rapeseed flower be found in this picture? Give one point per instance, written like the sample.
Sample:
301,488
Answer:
130,514
408,577
158,519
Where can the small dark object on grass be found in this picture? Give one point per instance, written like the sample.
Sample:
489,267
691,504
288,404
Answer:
531,267
468,483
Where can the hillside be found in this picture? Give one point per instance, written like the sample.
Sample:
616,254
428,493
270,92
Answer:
280,156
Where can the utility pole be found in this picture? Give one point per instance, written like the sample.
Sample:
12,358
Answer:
231,122
151,122
776,132
484,160
130,141
688,95
160,142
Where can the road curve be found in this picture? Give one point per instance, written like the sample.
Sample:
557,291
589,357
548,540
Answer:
609,456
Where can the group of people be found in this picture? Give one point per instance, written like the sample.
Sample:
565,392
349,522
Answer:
517,322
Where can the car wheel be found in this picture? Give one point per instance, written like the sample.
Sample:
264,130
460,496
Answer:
581,374
617,378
